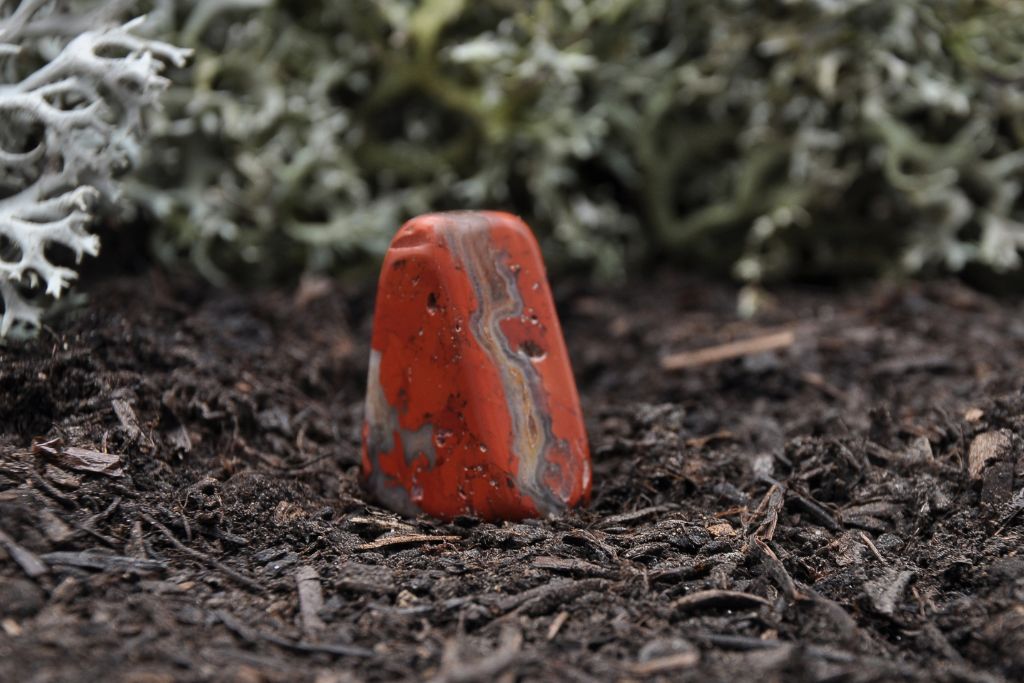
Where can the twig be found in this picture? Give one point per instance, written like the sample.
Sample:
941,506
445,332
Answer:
545,598
80,459
718,598
660,665
93,560
777,571
572,566
202,557
103,515
26,559
311,599
223,535
815,510
252,635
768,512
728,351
106,540
702,441
633,516
52,490
728,641
817,381
867,539
409,539
556,624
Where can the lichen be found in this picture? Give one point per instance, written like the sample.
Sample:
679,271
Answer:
764,138
73,89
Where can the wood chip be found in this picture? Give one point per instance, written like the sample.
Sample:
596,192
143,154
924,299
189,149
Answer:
735,349
55,528
632,516
548,597
238,576
702,441
382,523
721,529
11,628
572,566
62,478
311,599
777,571
129,422
818,381
902,365
88,460
994,445
556,624
918,452
179,439
406,539
718,599
871,545
886,591
25,558
879,508
767,513
81,459
682,660
88,559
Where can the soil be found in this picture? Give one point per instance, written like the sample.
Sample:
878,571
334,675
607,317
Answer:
179,497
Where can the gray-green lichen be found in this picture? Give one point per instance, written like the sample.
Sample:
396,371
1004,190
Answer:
73,89
769,137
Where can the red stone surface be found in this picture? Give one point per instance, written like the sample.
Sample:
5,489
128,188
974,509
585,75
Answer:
471,406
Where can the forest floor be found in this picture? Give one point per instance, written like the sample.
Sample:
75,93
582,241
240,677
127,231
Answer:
179,497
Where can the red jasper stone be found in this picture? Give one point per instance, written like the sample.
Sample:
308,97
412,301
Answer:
471,406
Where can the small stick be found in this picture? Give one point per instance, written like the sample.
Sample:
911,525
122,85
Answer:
867,539
311,600
660,665
777,571
728,351
52,491
205,559
714,598
88,559
26,559
251,635
816,511
556,624
408,539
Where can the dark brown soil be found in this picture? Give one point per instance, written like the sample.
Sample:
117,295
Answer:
801,514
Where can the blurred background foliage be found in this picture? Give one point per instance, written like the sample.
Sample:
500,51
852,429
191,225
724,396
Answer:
765,139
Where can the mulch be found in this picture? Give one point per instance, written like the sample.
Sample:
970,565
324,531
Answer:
831,490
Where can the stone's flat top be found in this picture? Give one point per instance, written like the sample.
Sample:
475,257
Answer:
433,227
